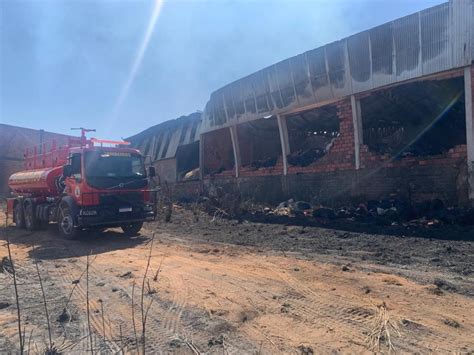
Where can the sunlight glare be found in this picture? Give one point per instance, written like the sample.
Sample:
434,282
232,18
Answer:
136,63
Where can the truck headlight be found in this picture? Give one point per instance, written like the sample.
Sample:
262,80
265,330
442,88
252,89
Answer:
88,212
147,208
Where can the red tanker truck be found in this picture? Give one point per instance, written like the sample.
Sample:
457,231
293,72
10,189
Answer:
86,184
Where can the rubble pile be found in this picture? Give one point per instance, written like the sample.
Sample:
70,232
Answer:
384,212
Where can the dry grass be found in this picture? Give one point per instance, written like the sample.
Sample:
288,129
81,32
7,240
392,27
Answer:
384,327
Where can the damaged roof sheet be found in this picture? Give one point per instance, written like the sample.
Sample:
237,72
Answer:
430,41
162,141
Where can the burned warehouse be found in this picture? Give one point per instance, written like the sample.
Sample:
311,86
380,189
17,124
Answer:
387,111
322,204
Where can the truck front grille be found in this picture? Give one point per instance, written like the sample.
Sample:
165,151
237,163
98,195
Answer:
118,199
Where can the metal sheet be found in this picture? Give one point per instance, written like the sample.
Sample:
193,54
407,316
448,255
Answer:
406,38
173,145
194,132
470,24
299,70
238,100
275,95
285,83
219,110
435,49
168,136
261,89
338,68
248,95
462,32
381,46
358,47
164,139
318,74
434,40
158,144
228,102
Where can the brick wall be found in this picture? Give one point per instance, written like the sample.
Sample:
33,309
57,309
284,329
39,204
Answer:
166,169
333,179
188,190
13,141
277,169
218,153
345,187
341,154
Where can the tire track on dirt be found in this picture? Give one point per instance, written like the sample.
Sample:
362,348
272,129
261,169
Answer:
68,277
164,318
361,318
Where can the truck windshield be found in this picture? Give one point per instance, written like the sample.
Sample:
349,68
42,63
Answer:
105,169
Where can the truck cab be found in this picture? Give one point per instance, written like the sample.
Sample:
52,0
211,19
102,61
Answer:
105,187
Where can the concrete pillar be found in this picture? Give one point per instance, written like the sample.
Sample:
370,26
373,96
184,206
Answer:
201,156
468,94
285,143
357,124
236,149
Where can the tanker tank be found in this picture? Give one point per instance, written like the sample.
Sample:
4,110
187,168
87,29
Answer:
36,182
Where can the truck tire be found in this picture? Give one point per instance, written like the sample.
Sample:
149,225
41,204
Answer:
132,228
19,215
31,222
66,223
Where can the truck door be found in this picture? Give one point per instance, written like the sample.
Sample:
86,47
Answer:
75,181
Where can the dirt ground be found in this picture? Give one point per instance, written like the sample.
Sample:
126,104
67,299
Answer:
224,286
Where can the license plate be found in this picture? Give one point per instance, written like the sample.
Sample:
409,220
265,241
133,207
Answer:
125,209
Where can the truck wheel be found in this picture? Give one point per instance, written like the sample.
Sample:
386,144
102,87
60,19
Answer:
19,215
66,223
132,228
31,223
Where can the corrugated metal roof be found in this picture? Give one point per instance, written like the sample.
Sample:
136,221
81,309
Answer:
162,141
427,42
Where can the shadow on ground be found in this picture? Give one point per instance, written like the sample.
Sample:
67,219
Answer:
49,245
441,232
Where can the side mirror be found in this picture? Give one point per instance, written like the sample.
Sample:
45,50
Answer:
67,170
151,171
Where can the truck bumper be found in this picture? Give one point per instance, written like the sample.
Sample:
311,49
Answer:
114,216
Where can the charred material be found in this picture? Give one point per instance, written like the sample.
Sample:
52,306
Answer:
187,160
421,119
312,134
259,143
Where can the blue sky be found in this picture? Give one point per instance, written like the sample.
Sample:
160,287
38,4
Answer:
65,63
